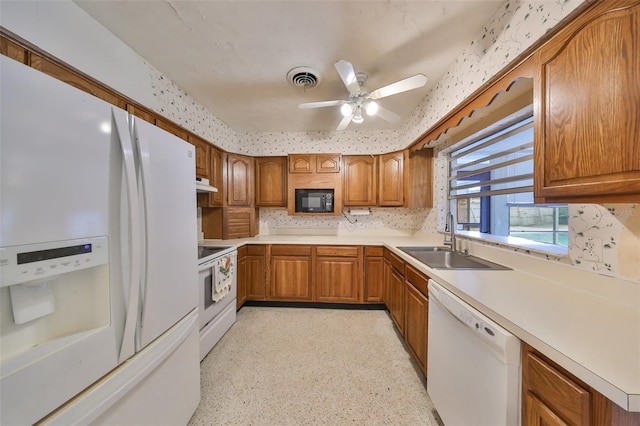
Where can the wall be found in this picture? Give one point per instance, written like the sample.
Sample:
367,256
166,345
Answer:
65,31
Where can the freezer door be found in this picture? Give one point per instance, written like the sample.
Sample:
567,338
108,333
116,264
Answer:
169,272
61,323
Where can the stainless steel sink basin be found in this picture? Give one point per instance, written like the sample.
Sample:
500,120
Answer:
443,258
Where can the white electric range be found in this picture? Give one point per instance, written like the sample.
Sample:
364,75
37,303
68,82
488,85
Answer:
217,290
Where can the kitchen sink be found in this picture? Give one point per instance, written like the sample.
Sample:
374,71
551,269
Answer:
443,258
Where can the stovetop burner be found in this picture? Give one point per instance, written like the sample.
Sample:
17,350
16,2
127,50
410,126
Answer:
208,251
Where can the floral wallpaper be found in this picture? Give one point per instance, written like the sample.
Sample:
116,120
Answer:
605,238
398,219
175,104
347,142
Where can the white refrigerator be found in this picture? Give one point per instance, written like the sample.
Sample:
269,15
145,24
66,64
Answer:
98,261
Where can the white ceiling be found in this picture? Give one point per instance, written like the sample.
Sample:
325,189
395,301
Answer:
233,56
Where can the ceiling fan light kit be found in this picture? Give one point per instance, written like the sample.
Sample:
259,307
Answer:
360,99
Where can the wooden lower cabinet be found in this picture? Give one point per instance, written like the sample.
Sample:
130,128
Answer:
338,273
256,272
396,299
552,396
290,276
251,274
416,311
241,277
393,291
373,274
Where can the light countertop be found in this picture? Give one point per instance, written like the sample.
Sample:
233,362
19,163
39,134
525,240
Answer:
587,323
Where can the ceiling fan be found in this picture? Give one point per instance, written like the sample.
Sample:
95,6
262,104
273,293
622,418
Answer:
360,99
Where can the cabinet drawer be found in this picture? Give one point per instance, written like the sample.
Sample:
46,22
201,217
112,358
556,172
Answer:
396,261
557,391
416,278
256,250
346,251
373,251
290,250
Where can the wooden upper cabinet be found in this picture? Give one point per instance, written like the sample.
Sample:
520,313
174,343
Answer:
314,163
301,163
216,176
240,180
203,156
172,128
143,113
75,79
271,181
392,179
13,50
359,180
327,163
419,192
587,108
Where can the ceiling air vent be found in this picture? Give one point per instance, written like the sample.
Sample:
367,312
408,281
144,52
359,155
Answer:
304,77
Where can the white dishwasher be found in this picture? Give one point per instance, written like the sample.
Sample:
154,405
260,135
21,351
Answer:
474,364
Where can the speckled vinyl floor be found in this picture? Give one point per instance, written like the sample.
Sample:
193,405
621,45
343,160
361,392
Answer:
290,366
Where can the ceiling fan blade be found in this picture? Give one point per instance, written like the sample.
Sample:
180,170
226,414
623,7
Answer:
348,75
321,104
408,83
345,122
387,115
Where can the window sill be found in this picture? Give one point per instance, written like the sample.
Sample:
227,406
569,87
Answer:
515,242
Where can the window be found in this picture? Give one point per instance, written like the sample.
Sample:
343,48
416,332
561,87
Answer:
491,186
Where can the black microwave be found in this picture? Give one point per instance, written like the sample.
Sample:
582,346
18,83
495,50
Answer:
314,200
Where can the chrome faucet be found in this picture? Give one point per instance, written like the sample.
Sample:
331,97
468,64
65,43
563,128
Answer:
451,241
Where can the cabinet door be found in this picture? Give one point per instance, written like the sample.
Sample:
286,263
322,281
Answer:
396,299
271,181
142,113
416,316
392,179
216,177
337,279
239,180
338,274
327,163
76,80
373,275
13,50
239,222
587,116
290,278
256,276
359,180
172,128
241,277
301,163
558,395
203,156
538,414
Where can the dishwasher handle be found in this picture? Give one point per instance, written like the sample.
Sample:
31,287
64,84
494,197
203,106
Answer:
500,341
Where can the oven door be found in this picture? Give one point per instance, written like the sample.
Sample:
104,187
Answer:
217,286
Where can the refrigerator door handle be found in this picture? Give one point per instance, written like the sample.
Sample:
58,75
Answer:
133,212
144,167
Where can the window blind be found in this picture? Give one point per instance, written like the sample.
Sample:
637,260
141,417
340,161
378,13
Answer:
501,163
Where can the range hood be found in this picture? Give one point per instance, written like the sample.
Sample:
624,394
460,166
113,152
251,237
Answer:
202,185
